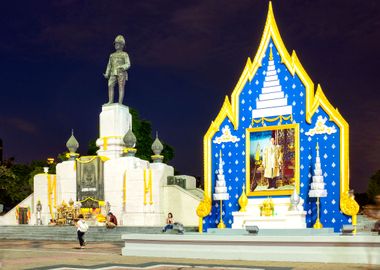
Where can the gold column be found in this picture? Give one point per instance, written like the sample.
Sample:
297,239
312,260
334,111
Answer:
318,224
221,224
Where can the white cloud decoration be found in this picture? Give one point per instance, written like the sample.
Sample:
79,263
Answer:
321,128
226,136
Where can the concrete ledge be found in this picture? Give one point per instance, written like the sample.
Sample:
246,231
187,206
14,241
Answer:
331,249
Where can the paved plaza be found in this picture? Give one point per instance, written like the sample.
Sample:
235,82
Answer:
27,254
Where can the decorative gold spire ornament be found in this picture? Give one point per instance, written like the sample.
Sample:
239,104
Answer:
270,54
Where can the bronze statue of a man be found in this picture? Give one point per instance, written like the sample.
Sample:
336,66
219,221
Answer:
116,71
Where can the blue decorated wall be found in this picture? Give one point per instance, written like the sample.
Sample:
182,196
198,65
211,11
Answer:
234,150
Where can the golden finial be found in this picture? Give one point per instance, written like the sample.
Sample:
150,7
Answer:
270,54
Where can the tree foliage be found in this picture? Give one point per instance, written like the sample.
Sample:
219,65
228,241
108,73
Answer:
374,186
16,181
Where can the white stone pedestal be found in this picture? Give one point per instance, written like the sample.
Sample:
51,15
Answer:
114,122
282,218
290,220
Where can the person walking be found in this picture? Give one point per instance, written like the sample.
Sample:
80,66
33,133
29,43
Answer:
82,228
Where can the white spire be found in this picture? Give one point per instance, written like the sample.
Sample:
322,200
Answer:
220,184
272,101
317,188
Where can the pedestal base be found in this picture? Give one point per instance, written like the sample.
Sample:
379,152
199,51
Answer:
292,220
114,122
282,218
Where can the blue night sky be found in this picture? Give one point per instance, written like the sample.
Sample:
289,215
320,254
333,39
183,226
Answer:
186,56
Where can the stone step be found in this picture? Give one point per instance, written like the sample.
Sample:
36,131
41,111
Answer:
68,233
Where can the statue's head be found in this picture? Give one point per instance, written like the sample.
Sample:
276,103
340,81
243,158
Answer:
119,42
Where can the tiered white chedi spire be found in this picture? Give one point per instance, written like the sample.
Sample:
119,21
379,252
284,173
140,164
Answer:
221,193
272,100
317,188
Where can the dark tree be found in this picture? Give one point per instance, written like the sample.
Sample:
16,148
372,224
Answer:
374,186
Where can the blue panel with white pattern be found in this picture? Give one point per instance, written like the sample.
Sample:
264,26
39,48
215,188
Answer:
234,155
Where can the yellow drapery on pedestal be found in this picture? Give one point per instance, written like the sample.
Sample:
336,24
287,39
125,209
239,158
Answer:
148,186
125,190
52,190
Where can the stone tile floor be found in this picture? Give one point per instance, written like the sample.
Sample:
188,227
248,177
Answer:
29,254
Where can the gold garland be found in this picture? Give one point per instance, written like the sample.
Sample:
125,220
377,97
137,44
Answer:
92,158
148,187
105,143
105,140
87,161
52,187
125,189
274,119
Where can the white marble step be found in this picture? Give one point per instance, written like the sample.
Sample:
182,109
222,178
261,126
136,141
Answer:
269,78
273,95
276,111
271,73
271,89
271,83
271,103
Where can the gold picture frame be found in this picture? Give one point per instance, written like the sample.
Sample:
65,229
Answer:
272,160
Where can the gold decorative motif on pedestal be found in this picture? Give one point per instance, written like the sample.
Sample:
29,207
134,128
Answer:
267,208
203,210
350,207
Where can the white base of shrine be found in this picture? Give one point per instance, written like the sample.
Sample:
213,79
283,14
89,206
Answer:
292,220
282,218
333,248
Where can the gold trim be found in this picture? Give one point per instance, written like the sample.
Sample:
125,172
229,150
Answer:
106,138
92,158
262,120
320,100
231,110
296,165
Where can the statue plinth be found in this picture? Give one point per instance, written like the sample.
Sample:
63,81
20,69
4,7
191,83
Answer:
114,122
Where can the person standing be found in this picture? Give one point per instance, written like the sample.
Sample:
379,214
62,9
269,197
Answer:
82,228
272,161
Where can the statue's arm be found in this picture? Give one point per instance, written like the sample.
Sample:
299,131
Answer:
127,62
108,69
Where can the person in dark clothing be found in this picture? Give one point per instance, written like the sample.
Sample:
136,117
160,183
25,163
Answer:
111,221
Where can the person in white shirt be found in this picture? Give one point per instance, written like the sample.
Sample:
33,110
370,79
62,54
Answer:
82,228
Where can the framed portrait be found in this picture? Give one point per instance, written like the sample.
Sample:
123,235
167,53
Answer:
272,160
